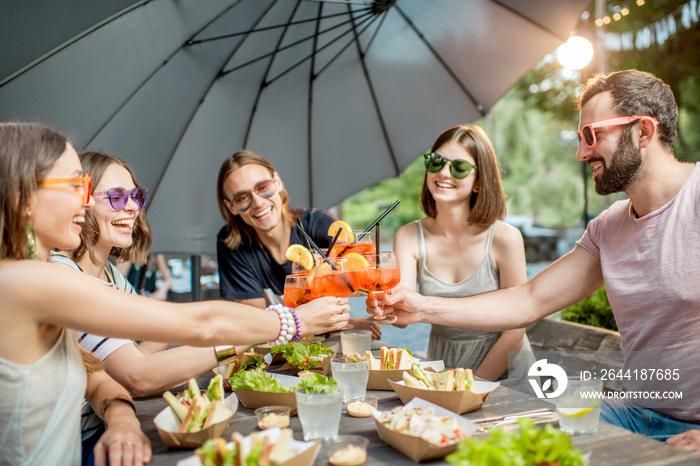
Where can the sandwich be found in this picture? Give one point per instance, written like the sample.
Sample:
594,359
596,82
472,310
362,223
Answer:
197,411
261,451
418,378
245,362
450,380
373,362
393,359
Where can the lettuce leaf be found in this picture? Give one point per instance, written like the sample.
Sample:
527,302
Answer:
318,383
526,447
299,354
256,379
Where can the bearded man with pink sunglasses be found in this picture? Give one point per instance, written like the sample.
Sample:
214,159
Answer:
645,250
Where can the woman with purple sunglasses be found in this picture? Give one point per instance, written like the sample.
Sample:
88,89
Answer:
117,227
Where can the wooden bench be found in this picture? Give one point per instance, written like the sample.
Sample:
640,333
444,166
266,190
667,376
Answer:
577,347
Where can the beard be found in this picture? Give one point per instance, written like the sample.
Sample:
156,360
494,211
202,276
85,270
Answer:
624,168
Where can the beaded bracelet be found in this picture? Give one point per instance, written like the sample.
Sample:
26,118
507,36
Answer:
289,326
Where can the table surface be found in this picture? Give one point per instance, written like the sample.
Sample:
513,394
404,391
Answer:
610,445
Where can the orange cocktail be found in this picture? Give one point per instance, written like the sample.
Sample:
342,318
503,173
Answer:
381,275
298,290
341,282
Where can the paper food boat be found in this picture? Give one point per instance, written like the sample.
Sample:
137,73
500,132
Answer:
305,452
167,423
257,399
458,401
417,448
379,379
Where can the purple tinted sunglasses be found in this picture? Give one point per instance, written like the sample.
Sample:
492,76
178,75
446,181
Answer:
118,197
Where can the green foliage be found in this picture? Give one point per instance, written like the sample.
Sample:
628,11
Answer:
594,310
361,209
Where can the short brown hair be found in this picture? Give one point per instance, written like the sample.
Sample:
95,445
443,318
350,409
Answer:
637,92
489,203
240,232
96,164
27,153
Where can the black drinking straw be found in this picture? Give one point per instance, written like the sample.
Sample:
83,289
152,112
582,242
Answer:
376,222
376,243
335,240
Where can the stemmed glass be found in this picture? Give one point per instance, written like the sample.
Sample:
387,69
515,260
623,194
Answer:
362,244
382,274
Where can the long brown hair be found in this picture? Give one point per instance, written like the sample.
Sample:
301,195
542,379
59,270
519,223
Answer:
96,164
489,203
27,153
239,232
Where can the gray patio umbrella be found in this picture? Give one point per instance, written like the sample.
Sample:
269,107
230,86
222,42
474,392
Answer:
338,94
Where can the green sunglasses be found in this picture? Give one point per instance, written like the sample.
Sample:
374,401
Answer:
459,168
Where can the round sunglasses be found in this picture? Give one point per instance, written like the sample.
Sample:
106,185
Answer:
243,200
118,197
459,168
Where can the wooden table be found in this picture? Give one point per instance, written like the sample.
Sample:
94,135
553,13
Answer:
611,445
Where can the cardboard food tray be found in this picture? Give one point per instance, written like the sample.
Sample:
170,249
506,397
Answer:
460,402
306,452
254,399
416,448
167,423
379,379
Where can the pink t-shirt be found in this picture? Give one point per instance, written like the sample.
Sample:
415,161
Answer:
651,269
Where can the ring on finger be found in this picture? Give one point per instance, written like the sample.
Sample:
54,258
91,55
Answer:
129,444
337,301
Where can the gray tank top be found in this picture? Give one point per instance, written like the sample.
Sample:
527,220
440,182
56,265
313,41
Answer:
485,278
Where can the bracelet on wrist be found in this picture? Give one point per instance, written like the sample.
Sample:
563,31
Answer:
125,398
288,324
298,325
225,354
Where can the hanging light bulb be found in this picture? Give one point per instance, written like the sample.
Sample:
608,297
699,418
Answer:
576,53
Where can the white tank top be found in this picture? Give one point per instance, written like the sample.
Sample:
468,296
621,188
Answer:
40,406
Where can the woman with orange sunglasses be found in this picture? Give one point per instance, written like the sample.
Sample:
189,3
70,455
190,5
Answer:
40,359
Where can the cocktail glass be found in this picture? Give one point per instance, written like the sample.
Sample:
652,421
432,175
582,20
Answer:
351,375
579,406
362,244
319,413
298,290
382,274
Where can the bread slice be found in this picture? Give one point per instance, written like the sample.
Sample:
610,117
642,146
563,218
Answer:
282,450
403,359
218,411
373,363
444,381
193,420
413,382
383,353
179,408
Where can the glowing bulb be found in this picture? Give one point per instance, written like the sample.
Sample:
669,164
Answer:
607,20
576,53
617,16
599,22
625,11
640,2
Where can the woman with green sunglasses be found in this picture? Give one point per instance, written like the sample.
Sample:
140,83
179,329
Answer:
463,248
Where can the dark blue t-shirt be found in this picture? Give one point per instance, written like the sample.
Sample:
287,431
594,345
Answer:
245,272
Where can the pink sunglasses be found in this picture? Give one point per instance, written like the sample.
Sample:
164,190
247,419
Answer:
588,135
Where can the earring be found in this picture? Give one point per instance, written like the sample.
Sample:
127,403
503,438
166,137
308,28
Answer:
31,240
476,190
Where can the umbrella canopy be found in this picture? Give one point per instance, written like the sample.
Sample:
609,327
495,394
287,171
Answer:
337,94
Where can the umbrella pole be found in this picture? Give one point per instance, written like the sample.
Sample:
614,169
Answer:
196,274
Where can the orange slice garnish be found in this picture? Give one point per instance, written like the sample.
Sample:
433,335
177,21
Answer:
346,235
299,254
355,261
